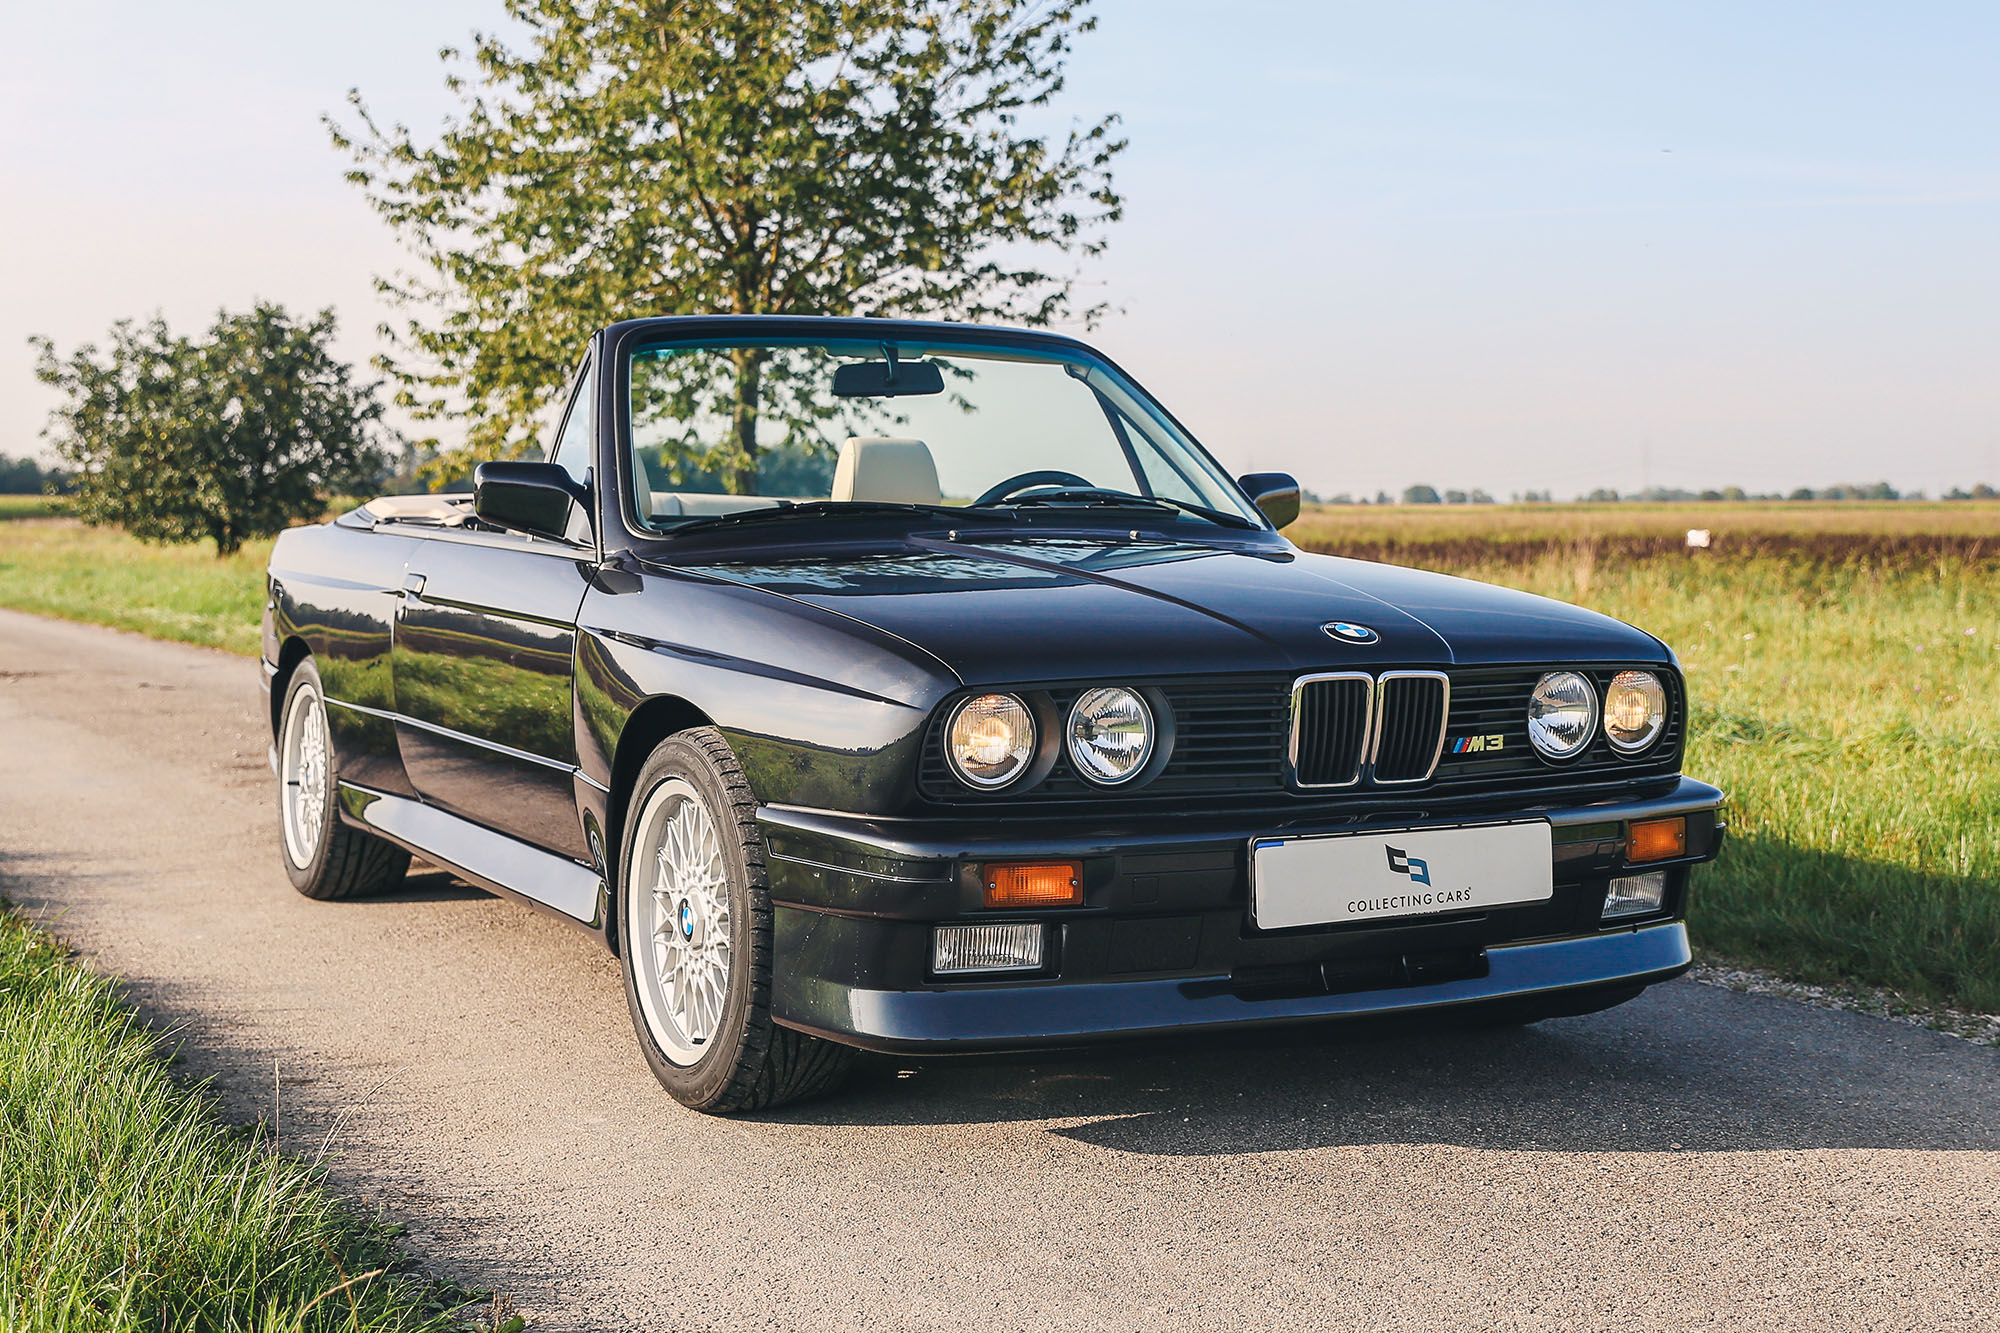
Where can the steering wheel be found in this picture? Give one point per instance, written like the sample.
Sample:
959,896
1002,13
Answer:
1027,481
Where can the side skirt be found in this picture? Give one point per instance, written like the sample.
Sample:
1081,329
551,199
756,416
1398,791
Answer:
491,860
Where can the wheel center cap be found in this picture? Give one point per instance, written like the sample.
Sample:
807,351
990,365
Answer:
686,917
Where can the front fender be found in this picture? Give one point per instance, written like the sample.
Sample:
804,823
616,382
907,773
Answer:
823,711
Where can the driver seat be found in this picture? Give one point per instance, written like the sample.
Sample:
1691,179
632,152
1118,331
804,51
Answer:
886,470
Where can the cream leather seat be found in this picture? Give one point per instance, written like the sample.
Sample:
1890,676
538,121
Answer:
885,469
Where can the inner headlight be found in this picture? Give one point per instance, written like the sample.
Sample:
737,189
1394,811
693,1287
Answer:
1562,712
1110,734
991,739
1635,711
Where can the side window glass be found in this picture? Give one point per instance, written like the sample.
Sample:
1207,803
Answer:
573,441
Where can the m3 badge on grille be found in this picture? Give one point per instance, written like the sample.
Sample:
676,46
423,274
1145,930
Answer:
1349,631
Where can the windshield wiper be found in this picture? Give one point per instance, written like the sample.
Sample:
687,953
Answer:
828,509
1126,500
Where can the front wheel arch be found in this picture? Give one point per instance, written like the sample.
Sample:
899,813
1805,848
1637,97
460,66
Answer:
650,723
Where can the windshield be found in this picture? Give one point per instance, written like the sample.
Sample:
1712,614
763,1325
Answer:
726,427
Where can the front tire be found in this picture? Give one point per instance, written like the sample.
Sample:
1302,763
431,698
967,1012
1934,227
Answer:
694,925
325,858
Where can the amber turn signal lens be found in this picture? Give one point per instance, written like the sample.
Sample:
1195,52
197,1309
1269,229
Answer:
1656,839
1032,883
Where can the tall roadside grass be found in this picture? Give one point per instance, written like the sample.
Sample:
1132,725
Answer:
1847,706
126,1205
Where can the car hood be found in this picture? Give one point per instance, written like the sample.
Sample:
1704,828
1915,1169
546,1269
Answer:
1029,609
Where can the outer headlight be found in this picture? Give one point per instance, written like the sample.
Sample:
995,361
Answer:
990,740
1635,711
1562,713
1110,735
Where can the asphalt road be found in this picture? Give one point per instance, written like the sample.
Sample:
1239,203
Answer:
1696,1159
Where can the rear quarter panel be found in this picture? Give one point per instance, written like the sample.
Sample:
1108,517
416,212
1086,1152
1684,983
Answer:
335,588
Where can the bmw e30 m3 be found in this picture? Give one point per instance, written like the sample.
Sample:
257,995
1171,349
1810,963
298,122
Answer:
927,688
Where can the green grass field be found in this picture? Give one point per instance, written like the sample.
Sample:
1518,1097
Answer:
1842,662
1846,706
29,506
59,567
126,1204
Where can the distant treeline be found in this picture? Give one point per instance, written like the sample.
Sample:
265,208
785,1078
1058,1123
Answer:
1430,495
24,476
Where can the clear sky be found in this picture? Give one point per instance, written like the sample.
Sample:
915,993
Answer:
1511,246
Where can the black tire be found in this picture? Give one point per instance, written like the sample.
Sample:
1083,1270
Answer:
747,1062
334,860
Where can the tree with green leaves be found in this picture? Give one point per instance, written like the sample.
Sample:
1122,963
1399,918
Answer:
664,157
230,436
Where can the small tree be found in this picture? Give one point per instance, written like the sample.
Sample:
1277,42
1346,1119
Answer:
665,157
1420,494
232,436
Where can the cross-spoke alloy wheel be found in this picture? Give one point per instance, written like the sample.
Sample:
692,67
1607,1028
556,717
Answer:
694,932
682,913
324,858
302,767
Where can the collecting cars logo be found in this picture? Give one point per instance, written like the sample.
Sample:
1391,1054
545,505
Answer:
1403,863
1429,899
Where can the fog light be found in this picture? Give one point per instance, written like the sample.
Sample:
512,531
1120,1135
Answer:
1634,895
1013,947
1032,883
1656,839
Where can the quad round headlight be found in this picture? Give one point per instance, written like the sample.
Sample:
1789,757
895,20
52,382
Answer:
1635,711
1562,713
1110,734
990,740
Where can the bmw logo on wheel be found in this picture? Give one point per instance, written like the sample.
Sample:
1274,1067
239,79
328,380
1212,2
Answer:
1352,633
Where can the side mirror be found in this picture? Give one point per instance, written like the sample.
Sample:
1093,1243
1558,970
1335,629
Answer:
526,497
1276,493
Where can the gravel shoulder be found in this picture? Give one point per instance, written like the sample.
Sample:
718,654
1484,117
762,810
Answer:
1702,1157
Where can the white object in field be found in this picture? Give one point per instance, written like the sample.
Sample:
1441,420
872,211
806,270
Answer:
1697,539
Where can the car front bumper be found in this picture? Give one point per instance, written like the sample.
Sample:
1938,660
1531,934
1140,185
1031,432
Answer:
1163,942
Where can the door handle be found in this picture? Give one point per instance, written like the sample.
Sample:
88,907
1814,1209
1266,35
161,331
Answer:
413,585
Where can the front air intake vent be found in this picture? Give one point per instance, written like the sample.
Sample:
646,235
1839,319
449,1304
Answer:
1410,709
1331,715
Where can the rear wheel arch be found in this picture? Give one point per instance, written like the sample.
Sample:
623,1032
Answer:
650,723
291,652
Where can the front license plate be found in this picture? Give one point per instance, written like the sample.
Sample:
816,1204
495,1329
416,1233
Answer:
1418,872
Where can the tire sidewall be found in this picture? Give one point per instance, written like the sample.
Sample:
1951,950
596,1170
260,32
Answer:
708,1079
306,676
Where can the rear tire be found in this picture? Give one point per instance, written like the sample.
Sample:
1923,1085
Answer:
325,858
694,926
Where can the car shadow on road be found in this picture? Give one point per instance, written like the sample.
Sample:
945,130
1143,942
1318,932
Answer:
427,884
1685,1067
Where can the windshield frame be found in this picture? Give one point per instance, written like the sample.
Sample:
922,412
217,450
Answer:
623,341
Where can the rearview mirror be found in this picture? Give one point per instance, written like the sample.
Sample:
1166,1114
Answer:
1276,493
887,379
526,497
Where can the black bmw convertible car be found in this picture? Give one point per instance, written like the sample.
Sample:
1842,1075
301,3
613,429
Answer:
927,688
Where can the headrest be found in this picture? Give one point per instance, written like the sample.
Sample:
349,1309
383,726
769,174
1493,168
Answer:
876,467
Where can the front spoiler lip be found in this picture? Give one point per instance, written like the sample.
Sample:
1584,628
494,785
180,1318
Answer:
997,1018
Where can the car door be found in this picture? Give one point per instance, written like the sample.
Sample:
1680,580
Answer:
484,671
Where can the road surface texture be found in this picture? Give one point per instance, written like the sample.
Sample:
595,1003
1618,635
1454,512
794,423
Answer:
1696,1159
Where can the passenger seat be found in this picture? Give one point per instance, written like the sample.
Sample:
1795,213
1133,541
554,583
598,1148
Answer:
887,470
